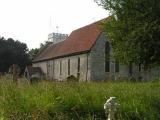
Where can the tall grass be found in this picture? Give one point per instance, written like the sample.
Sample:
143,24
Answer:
78,101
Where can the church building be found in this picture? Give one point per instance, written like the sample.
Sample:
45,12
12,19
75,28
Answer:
86,54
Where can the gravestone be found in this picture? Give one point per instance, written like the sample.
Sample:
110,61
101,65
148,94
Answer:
15,70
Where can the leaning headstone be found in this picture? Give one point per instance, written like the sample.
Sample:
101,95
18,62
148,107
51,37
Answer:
15,72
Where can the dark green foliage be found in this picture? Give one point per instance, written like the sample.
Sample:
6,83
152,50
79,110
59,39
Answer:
12,52
34,80
72,78
44,45
33,53
134,30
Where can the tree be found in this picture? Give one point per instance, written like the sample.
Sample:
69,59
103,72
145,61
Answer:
33,52
44,45
134,30
13,52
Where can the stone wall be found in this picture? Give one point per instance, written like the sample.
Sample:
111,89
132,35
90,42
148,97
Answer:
51,68
97,59
42,65
97,62
83,74
92,66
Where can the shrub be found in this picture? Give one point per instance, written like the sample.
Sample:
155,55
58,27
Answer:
72,78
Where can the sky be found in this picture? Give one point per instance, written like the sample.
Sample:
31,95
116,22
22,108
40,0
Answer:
30,21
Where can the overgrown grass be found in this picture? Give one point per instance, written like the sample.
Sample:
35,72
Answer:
78,101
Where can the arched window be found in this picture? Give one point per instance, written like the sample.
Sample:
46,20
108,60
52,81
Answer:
117,66
68,66
107,56
60,67
78,72
78,64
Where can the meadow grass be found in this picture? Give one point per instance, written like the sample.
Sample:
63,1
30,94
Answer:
78,101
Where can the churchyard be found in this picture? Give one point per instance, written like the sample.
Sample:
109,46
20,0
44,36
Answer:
77,101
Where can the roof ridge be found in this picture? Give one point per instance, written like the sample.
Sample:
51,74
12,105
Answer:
99,21
80,40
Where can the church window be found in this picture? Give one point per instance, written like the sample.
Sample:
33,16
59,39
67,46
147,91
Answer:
78,65
107,57
116,66
60,71
68,66
139,67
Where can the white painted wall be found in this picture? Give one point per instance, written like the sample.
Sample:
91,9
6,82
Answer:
51,68
73,67
42,65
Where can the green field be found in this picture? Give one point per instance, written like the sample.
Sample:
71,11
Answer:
78,101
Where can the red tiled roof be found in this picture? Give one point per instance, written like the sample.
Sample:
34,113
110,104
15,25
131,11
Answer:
80,40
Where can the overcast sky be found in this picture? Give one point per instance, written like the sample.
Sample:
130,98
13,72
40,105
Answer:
31,21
